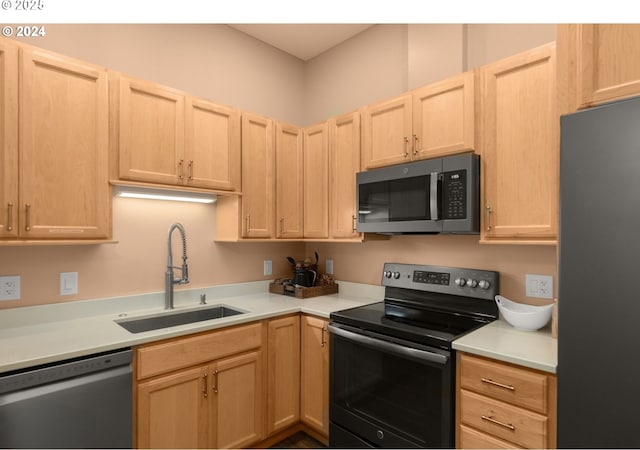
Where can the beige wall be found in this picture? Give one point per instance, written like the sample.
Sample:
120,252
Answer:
217,62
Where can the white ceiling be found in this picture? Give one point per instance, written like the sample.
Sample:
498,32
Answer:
303,41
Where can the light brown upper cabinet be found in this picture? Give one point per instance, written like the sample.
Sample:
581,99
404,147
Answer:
344,159
8,139
289,185
316,181
258,177
54,146
598,63
431,121
167,137
520,148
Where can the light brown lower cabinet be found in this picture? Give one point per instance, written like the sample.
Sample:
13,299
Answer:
209,393
501,405
314,374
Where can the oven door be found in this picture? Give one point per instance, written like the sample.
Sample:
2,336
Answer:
389,393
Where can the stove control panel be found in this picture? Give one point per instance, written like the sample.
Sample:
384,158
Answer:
446,280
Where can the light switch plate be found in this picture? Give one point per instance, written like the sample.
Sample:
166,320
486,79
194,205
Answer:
10,287
540,286
268,267
328,267
68,283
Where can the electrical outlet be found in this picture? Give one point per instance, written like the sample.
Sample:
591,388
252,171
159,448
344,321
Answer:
268,267
539,286
10,287
328,267
68,283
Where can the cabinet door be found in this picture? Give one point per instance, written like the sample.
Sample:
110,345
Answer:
212,145
314,396
173,410
63,162
520,147
386,133
344,157
608,62
443,117
238,401
316,181
283,374
258,184
289,185
151,126
8,139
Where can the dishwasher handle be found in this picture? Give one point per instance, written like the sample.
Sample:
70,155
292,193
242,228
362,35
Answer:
390,347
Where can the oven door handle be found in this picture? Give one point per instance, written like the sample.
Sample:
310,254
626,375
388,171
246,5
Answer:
390,347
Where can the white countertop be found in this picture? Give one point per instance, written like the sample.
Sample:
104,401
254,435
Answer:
37,335
499,340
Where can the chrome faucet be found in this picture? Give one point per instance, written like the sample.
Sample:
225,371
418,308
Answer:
169,279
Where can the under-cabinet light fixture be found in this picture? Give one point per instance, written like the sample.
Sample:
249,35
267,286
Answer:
162,194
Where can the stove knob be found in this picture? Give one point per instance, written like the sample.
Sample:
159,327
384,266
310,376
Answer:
396,275
484,284
387,273
460,281
472,283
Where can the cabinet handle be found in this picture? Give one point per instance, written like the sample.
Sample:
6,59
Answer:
415,144
355,225
322,341
406,147
215,381
248,222
487,217
27,225
180,171
281,226
497,422
191,169
206,385
500,385
9,216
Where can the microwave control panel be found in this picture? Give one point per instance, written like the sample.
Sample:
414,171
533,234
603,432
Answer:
454,186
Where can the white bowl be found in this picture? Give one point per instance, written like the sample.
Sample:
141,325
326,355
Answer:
524,317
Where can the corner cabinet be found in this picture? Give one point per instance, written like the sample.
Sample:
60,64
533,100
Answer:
314,374
501,405
520,148
435,120
166,137
202,391
289,184
598,63
54,146
344,163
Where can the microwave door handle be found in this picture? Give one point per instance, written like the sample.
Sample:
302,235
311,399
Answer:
390,347
433,195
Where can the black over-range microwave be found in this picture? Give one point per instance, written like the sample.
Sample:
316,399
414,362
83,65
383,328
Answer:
440,195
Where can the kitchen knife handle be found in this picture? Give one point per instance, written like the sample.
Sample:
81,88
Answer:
497,422
500,385
9,216
27,225
406,145
205,391
487,217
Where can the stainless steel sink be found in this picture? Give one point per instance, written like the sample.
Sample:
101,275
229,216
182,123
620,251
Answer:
173,319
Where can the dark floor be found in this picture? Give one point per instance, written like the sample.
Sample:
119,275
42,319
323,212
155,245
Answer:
299,440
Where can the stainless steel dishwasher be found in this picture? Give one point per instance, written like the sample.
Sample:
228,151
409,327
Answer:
79,403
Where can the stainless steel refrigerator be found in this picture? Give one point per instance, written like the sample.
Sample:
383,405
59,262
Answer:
599,278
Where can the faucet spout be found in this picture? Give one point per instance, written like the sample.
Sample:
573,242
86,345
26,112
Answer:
169,279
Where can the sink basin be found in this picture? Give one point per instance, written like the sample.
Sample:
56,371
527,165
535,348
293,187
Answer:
169,319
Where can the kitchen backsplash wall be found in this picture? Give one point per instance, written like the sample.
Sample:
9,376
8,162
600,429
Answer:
137,262
362,263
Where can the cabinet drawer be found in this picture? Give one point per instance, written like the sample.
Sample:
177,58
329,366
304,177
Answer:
502,420
470,438
155,359
520,387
